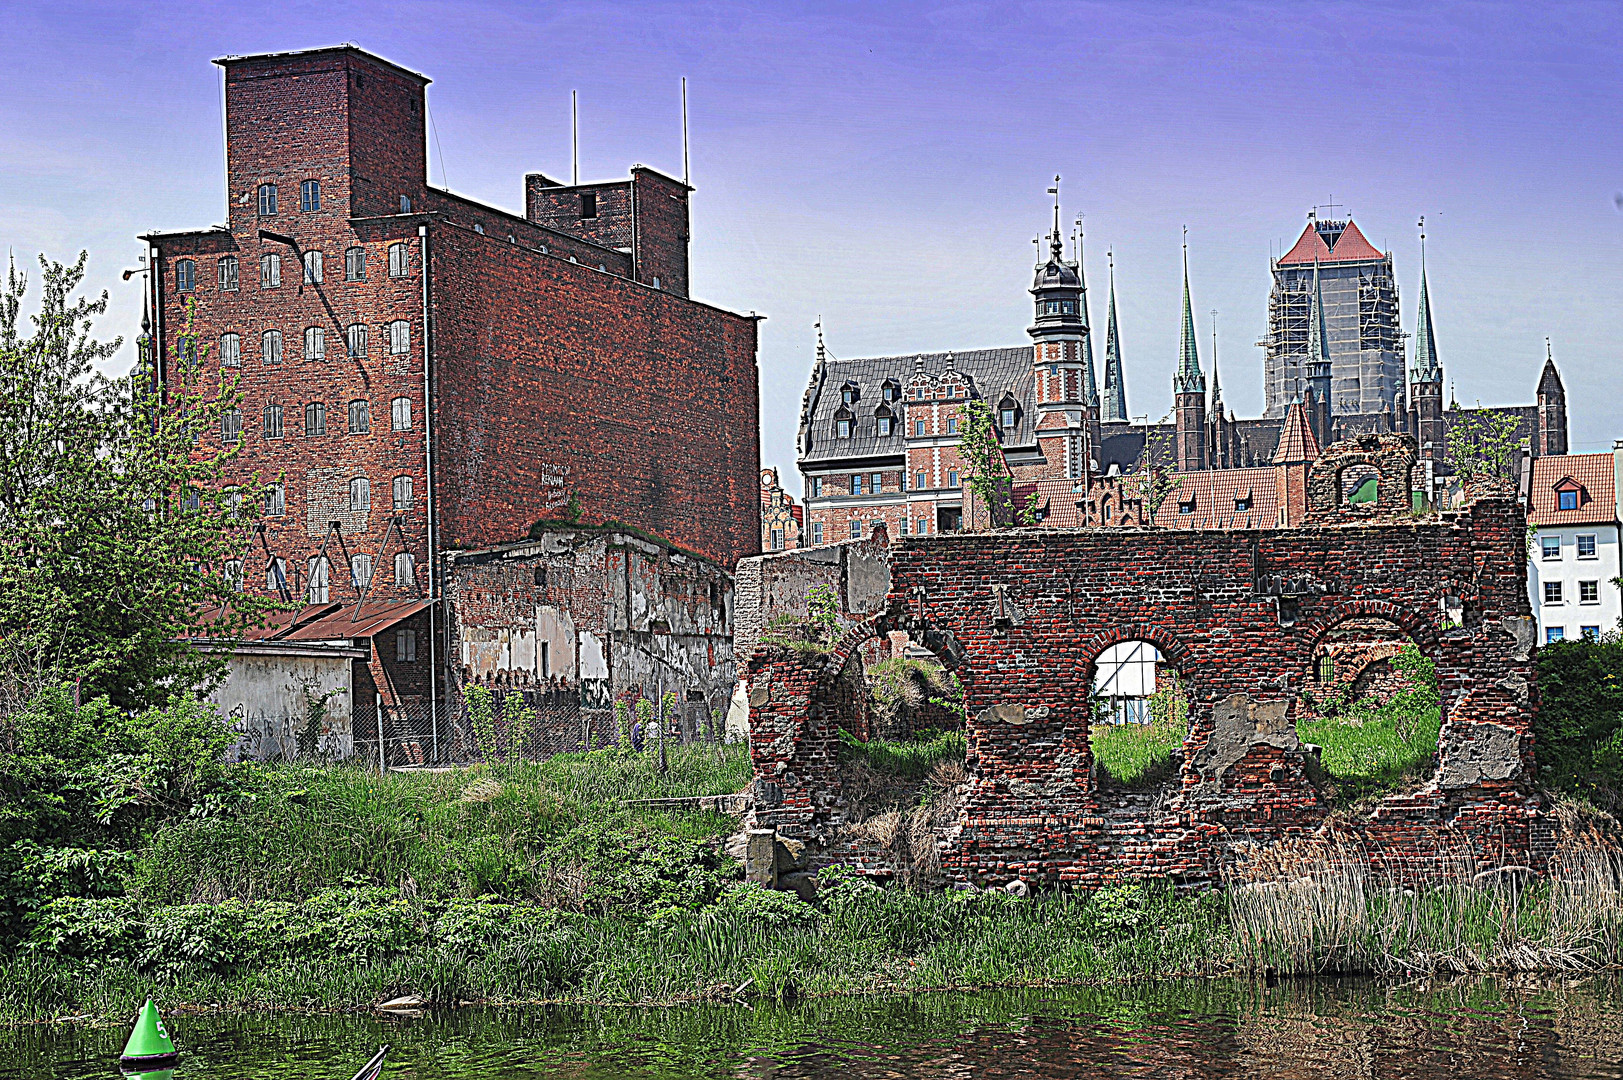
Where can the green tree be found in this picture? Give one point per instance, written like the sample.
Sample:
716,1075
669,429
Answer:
982,452
1156,477
1483,446
120,538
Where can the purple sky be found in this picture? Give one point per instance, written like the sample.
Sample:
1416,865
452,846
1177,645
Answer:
883,166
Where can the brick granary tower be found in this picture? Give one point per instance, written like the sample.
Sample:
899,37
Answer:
421,372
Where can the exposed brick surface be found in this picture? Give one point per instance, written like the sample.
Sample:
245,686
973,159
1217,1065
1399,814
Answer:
1239,616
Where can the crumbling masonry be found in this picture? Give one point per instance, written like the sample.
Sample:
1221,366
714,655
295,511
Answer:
1024,615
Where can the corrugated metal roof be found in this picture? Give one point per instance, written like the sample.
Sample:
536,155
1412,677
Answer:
372,619
1597,498
993,371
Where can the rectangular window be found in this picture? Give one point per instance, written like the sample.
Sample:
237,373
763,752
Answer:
402,493
918,428
233,575
267,200
884,427
273,421
777,539
405,646
952,478
360,570
185,275
817,532
228,274
856,483
1554,633
952,425
400,414
231,425
360,418
842,429
271,349
230,350
312,268
360,494
1566,500
1552,592
399,337
276,575
1590,633
919,482
1589,592
924,527
405,204
856,530
270,271
355,337
588,204
1550,546
1007,420
904,525
275,500
405,570
399,261
816,486
1586,545
315,343
309,197
315,418
874,483
319,574
355,264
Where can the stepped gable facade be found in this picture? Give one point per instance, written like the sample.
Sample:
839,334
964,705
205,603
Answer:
419,371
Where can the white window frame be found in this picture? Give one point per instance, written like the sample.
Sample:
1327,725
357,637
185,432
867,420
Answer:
1594,585
399,337
360,494
1593,552
405,569
817,532
355,264
230,350
1553,592
1547,551
400,414
315,343
360,569
270,270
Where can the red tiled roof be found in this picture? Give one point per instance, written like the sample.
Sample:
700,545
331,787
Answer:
1214,492
1597,501
1296,441
1351,246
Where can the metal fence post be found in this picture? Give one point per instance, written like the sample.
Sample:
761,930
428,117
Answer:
377,711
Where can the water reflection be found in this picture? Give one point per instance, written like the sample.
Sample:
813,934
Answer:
1319,1029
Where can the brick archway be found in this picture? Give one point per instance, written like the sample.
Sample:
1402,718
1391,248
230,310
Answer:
1176,653
1419,628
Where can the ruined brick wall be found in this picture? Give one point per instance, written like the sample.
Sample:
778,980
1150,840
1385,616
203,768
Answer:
1238,616
555,380
778,583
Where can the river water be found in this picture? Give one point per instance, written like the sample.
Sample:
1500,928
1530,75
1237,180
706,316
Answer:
1463,1030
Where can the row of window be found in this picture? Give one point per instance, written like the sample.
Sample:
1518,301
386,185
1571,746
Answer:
891,392
272,424
315,343
1559,633
360,496
1588,592
309,198
921,527
844,426
872,483
270,268
1550,546
319,571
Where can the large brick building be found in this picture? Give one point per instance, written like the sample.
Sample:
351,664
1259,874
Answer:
421,372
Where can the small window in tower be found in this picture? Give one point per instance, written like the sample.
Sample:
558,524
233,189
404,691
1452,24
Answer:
816,486
228,274
1067,307
185,275
267,200
309,197
588,204
817,532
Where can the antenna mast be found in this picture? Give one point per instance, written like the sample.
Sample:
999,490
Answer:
574,141
685,132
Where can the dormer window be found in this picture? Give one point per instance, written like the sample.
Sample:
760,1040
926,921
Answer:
848,394
1242,504
1568,494
890,392
1186,506
1005,418
885,421
842,424
588,204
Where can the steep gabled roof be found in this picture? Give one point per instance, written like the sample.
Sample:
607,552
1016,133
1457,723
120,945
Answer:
1296,441
1351,246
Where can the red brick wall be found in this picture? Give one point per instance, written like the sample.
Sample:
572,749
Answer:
554,379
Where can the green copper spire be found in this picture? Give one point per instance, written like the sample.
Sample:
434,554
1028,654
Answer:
1318,338
1090,389
1114,407
1189,379
1426,367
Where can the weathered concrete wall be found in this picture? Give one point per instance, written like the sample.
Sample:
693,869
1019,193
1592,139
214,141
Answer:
600,614
268,694
778,584
1239,616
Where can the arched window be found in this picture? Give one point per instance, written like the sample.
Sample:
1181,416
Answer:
273,421
185,275
320,574
399,337
400,414
312,268
230,350
360,494
355,264
405,570
360,570
355,337
231,425
360,418
270,271
315,343
271,348
402,493
315,418
399,260
267,200
309,197
228,274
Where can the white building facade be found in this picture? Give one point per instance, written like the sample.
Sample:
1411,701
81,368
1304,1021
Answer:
1574,559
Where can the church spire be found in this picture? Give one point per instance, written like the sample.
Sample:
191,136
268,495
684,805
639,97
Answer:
1426,367
1317,368
1090,388
1114,409
1189,379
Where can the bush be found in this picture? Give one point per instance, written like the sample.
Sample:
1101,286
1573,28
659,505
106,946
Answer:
1578,730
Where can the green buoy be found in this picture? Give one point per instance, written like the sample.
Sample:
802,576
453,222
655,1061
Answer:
150,1054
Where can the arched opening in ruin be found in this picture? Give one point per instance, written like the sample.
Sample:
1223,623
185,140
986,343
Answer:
1369,712
1360,485
1140,715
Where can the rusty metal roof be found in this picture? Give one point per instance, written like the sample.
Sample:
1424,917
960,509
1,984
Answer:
346,622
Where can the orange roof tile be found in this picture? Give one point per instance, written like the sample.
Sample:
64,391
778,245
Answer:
1309,246
1351,246
1296,441
1594,475
1212,497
